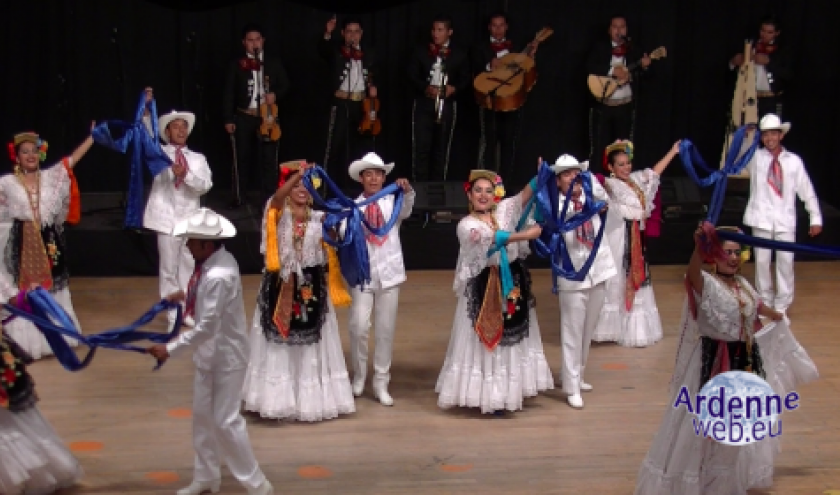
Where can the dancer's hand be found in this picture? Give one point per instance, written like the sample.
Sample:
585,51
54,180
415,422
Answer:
176,297
404,184
533,232
815,230
159,352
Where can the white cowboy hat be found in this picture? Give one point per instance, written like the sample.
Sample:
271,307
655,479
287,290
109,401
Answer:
568,162
164,121
772,122
204,224
371,160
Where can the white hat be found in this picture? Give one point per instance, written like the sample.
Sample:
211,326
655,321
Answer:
772,122
371,160
164,121
568,162
204,224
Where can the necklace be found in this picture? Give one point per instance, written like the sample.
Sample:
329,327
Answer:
492,223
299,230
33,193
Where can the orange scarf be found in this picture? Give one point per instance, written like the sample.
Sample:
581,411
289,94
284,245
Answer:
636,270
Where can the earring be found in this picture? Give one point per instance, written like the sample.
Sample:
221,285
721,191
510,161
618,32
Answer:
612,175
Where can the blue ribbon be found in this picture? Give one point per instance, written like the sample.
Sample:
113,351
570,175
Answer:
352,249
145,150
499,244
46,310
831,252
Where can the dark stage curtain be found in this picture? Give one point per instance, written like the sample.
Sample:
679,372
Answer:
66,63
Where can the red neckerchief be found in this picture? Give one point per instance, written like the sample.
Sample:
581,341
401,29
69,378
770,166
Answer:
249,64
620,50
438,51
351,53
498,46
765,48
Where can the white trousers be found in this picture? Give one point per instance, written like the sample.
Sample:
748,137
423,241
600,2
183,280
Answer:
579,313
176,266
219,430
784,271
382,303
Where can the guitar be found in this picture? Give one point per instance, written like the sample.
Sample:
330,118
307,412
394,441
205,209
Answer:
505,88
269,129
370,124
602,87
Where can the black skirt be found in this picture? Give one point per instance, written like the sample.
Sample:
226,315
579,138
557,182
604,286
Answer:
518,305
309,308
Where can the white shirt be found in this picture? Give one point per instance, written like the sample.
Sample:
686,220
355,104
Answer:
256,84
354,77
387,268
437,69
765,209
624,91
219,339
603,267
762,82
499,54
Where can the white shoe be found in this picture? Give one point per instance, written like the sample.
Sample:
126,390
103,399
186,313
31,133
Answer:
381,394
199,487
189,321
358,387
265,488
585,387
575,401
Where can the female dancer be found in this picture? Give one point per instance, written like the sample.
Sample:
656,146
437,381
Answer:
36,200
297,368
630,316
495,356
33,459
719,319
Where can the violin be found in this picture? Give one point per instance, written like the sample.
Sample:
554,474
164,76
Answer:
269,129
370,124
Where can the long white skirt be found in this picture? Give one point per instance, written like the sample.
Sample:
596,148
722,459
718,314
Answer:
474,377
33,459
300,382
30,339
639,327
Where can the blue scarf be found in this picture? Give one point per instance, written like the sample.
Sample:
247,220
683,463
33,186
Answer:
352,249
145,150
46,310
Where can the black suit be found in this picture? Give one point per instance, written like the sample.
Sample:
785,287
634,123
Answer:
611,122
256,160
431,140
779,73
498,129
344,142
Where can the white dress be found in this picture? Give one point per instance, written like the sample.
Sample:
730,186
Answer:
54,205
303,378
640,326
473,376
681,462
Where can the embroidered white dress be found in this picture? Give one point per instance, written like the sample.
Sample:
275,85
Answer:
679,461
640,326
298,380
473,376
54,205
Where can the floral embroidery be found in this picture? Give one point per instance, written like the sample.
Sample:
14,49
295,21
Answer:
303,306
513,300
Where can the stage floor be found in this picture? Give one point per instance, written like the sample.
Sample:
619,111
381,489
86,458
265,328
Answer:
130,427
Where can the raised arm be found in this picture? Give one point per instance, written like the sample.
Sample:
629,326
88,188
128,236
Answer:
695,265
278,200
83,148
662,164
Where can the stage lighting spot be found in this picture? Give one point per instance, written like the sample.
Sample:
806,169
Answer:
163,477
455,468
614,366
180,413
86,446
314,472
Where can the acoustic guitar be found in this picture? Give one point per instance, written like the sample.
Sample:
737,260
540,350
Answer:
370,124
744,108
506,88
602,87
269,130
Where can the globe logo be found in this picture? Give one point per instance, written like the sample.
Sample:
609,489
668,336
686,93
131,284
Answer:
737,408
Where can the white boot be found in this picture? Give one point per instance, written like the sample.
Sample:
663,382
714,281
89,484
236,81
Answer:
382,395
199,487
585,387
358,386
575,401
265,488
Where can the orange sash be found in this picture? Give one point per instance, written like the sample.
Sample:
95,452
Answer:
35,267
285,302
74,215
490,324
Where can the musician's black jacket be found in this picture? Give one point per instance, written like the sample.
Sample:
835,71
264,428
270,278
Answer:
237,91
600,56
456,66
483,53
330,50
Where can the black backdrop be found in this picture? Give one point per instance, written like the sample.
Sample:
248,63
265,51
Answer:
66,63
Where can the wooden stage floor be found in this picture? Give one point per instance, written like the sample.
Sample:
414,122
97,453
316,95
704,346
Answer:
130,427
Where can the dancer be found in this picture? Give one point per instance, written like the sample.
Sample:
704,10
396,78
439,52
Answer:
581,302
37,201
33,459
720,313
629,315
220,344
297,368
495,357
777,177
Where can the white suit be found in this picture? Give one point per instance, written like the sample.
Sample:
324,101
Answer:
774,217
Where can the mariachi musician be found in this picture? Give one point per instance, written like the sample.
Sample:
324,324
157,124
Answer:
351,81
499,130
252,80
438,71
773,69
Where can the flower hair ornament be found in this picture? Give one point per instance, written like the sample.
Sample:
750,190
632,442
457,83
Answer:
712,246
27,137
289,168
493,177
620,145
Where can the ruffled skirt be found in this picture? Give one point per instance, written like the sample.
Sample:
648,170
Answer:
299,382
30,339
639,327
33,459
492,381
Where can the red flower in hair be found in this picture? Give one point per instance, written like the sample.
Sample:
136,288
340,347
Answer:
12,154
467,186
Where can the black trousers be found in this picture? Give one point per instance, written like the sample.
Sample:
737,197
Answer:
769,104
256,167
344,142
608,123
499,136
432,140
